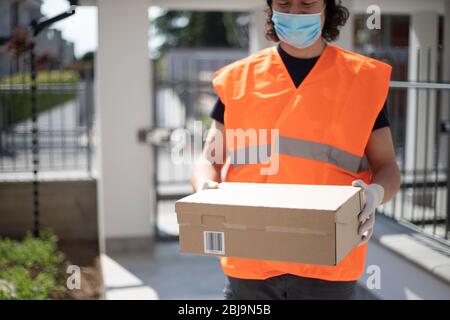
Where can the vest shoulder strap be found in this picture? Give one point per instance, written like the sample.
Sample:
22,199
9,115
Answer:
237,73
363,65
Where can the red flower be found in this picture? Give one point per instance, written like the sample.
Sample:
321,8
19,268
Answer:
43,59
18,44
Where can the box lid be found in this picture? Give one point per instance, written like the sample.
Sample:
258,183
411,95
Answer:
237,204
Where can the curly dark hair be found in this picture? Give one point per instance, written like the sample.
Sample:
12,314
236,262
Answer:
336,15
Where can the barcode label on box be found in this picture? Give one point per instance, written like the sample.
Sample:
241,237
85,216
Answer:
214,242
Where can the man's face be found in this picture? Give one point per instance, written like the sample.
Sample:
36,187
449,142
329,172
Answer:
301,7
298,6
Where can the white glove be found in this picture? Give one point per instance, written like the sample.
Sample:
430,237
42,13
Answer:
373,197
207,184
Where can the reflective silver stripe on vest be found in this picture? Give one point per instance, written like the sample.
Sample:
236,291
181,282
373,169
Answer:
250,155
301,149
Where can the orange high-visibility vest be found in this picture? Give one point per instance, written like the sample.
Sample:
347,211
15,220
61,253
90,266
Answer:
324,126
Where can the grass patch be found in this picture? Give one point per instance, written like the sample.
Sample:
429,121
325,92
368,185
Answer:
15,105
42,77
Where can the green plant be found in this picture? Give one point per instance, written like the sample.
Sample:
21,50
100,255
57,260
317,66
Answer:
32,268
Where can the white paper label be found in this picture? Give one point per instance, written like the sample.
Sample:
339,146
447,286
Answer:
214,242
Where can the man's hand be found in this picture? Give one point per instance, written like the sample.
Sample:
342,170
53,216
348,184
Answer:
206,184
373,197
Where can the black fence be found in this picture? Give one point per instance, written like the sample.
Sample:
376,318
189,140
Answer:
420,124
178,106
65,123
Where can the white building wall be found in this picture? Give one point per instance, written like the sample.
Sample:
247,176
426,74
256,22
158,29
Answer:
124,101
346,36
257,27
445,103
422,65
400,6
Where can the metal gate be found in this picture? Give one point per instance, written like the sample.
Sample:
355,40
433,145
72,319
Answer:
172,180
182,96
420,124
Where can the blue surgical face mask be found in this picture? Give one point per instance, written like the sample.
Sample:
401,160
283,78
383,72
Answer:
298,30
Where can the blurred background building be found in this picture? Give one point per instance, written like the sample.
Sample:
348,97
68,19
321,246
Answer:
16,14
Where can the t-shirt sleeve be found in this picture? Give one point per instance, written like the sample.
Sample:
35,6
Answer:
218,111
382,119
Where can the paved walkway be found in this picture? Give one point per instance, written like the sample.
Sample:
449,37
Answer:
165,274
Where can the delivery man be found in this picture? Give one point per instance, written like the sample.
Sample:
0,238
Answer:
328,106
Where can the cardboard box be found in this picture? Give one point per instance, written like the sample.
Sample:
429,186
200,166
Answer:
314,224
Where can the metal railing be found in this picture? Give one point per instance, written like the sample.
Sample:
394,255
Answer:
177,104
420,125
65,121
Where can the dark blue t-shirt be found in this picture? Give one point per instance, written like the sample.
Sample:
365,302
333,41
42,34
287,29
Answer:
298,69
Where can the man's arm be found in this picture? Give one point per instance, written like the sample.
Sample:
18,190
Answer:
207,168
385,179
381,156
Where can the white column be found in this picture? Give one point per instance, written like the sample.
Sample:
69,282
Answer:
257,30
347,32
422,65
445,104
446,56
124,101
